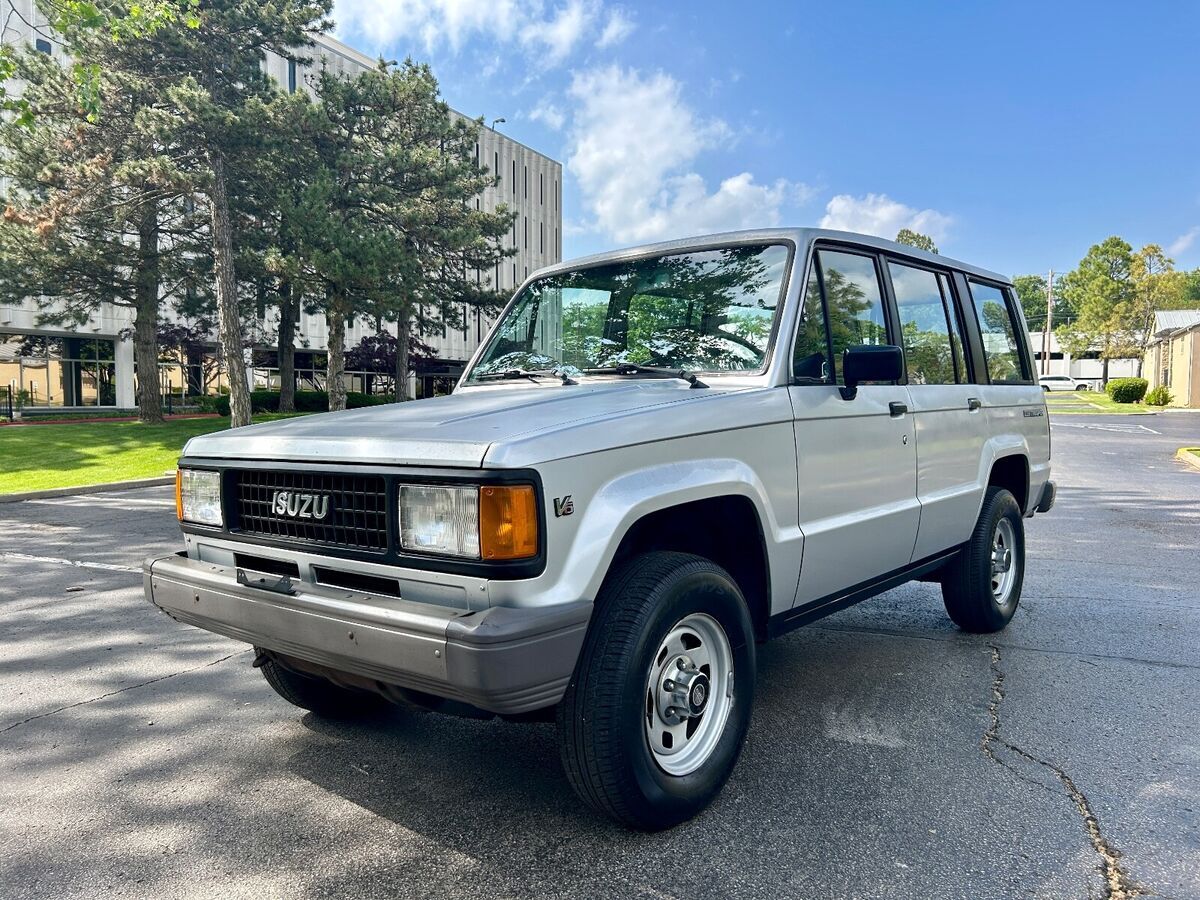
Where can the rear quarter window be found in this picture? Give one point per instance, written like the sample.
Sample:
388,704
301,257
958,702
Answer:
1000,334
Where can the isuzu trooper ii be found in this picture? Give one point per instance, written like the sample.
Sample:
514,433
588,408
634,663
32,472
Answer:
659,458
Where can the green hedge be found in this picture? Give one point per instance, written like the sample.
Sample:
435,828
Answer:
1127,390
306,401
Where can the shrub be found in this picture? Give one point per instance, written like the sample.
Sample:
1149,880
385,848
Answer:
1127,390
306,401
1160,396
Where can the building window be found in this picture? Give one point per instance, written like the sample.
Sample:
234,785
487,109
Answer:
42,45
557,245
514,181
514,274
58,371
496,164
541,189
291,76
527,232
541,237
556,194
477,154
527,182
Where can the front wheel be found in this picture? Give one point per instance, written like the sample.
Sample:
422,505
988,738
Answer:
655,715
981,587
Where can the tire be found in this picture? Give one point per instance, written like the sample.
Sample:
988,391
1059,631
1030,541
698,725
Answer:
654,615
977,596
319,695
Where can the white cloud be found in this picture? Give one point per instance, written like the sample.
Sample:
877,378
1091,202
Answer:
615,30
549,115
880,215
547,31
1184,242
632,142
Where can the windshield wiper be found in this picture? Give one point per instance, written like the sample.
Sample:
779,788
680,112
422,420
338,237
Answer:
628,368
531,374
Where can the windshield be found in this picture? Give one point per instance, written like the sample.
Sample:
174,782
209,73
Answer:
708,311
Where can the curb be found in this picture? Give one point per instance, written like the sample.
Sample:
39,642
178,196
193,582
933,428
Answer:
1190,455
88,489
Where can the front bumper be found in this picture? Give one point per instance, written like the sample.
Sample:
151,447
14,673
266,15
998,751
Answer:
501,659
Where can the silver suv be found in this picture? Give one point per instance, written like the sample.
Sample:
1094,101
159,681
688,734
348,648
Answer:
658,459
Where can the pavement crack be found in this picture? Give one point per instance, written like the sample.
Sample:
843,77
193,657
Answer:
128,687
1119,885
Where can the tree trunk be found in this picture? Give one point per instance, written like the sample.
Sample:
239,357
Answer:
1104,372
288,304
145,318
335,364
403,325
229,319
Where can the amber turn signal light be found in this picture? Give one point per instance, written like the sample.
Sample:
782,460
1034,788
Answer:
508,527
179,494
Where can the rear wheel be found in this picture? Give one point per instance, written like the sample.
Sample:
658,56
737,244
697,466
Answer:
318,695
656,713
982,586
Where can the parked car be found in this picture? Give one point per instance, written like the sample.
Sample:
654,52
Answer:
658,459
1062,383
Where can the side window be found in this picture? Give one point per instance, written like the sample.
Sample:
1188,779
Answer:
853,302
929,352
999,334
810,357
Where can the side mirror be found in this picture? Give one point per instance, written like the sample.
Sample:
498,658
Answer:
863,362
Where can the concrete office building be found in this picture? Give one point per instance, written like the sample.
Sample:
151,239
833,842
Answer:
92,365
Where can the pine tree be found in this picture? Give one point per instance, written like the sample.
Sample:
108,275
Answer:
400,239
218,100
95,211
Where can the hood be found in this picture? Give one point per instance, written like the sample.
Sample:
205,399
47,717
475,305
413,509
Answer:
455,430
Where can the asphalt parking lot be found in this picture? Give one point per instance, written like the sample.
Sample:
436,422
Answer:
890,755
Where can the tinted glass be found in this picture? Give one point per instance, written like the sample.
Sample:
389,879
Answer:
810,357
928,350
999,333
710,310
853,301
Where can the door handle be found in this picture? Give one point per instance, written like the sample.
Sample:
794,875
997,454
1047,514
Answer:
897,409
973,403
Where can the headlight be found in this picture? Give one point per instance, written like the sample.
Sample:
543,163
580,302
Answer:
440,519
490,522
198,497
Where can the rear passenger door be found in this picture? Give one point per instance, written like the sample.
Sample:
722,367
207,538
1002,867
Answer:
856,458
947,409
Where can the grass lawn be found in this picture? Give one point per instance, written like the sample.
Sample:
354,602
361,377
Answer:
1092,403
36,457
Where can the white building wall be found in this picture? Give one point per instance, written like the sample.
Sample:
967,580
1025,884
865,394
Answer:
1084,369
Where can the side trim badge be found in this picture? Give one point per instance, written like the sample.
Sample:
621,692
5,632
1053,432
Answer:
563,506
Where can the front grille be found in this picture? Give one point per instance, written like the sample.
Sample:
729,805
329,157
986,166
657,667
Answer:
355,519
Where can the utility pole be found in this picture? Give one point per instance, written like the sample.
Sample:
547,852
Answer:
1046,330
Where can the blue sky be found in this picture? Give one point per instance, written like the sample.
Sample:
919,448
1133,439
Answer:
1017,134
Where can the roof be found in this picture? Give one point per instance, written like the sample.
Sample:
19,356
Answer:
1175,319
800,236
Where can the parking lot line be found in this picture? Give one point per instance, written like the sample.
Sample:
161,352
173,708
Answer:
82,564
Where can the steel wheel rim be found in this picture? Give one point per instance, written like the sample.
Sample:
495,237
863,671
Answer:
1004,561
688,695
